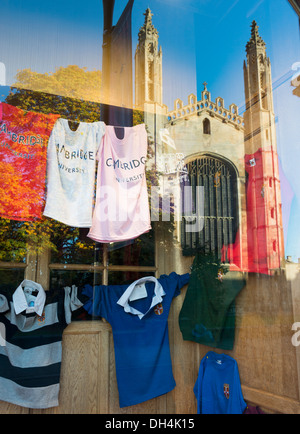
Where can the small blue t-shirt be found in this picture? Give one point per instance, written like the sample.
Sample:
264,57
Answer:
138,314
218,388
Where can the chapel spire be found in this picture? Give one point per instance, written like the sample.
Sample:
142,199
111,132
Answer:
148,28
255,40
148,64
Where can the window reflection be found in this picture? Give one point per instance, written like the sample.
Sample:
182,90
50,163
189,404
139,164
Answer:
62,278
11,278
126,277
139,251
72,246
13,246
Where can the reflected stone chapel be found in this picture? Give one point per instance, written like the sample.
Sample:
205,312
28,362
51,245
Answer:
232,157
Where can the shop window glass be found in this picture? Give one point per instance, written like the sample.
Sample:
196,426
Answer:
72,246
13,244
137,252
13,253
11,278
126,277
222,127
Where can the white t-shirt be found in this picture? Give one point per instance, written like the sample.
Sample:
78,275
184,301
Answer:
71,164
122,210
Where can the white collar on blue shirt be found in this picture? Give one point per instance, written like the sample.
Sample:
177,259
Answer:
20,301
157,297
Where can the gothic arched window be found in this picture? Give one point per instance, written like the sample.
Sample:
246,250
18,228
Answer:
210,213
206,126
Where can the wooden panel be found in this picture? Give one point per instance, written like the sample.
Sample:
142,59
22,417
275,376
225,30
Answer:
263,348
6,408
85,365
270,403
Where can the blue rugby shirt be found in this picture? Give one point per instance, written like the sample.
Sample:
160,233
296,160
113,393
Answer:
218,388
140,333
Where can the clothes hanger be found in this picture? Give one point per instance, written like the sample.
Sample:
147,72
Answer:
73,125
119,132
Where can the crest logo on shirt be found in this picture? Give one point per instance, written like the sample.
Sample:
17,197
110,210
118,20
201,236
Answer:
41,318
158,309
226,390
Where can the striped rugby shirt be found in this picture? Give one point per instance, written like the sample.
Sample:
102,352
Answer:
31,350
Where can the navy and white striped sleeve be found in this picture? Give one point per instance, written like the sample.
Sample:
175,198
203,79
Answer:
74,299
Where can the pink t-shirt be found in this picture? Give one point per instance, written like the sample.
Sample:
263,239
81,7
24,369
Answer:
121,210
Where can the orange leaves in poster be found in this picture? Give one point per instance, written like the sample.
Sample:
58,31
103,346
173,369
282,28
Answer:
23,156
